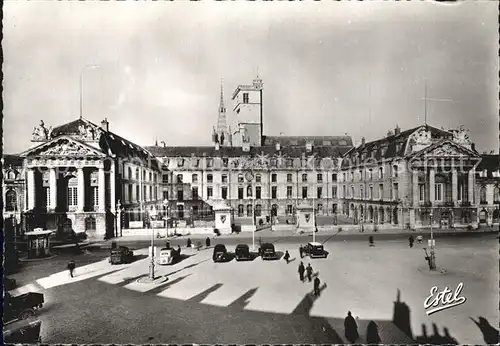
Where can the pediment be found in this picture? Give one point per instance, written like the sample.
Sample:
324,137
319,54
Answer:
446,149
63,147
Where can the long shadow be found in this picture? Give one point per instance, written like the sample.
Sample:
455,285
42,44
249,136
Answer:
129,280
199,297
436,338
167,284
243,300
490,333
330,237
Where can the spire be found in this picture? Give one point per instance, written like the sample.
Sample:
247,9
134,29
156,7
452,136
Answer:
221,104
221,118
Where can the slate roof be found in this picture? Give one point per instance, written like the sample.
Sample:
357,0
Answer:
342,141
12,160
490,163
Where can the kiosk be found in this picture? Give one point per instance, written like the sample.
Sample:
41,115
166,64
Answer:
38,243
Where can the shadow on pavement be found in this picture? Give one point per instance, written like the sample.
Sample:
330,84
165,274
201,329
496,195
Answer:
167,284
243,300
201,296
490,333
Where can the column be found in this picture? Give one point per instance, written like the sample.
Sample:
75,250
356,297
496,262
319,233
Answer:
416,192
53,188
101,190
112,187
454,186
81,189
471,186
432,191
31,189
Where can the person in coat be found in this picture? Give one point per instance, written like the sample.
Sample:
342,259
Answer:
372,336
189,243
309,271
301,271
178,250
411,241
350,328
301,251
167,245
317,282
71,267
371,241
287,257
207,242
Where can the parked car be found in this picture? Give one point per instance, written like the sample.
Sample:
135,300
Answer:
23,332
242,252
267,251
220,253
315,250
121,255
21,307
168,256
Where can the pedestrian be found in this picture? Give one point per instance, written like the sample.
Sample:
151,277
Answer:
372,336
178,250
301,251
410,241
287,257
207,242
350,328
189,244
371,241
316,286
309,271
71,267
167,245
301,271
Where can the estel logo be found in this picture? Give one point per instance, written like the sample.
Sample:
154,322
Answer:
443,300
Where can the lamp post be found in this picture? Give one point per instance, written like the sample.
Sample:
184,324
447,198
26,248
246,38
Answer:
152,214
432,260
81,86
314,217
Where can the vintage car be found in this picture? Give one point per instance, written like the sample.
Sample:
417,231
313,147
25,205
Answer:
21,307
121,255
22,332
168,256
220,253
314,250
267,251
242,252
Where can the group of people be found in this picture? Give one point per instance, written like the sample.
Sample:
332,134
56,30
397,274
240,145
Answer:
309,274
351,330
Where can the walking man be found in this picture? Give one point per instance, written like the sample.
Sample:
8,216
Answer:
309,270
316,286
371,241
71,267
287,257
301,271
301,251
410,241
207,242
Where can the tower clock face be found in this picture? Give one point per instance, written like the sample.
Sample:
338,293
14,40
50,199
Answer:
249,176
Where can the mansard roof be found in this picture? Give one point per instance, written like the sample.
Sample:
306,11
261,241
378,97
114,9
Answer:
12,160
489,162
336,141
210,151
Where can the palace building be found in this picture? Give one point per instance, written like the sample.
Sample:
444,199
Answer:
82,177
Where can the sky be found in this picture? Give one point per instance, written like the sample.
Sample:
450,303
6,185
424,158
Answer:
329,68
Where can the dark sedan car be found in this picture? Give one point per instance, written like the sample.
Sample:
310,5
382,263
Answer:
220,253
121,255
267,251
315,250
242,252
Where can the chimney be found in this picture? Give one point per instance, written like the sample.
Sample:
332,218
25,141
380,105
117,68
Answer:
105,124
363,141
473,146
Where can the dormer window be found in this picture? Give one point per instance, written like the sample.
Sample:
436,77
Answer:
225,162
245,97
180,163
309,146
327,143
289,162
210,163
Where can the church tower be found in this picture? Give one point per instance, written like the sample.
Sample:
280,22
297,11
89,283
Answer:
221,134
248,109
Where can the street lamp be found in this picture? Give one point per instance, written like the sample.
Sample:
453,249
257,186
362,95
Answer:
432,258
81,86
152,214
314,216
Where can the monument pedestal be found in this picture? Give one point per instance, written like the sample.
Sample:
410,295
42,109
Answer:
223,217
305,218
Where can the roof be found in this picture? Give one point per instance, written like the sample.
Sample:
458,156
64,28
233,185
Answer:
210,151
489,162
341,141
315,243
12,160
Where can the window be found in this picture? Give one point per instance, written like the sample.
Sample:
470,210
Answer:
165,178
343,176
165,195
274,192
361,192
144,192
249,210
180,163
289,162
195,210
482,195
90,223
396,191
249,191
496,196
224,192
421,192
210,178
334,192
395,171
240,193
304,177
72,192
381,173
288,178
274,177
289,192
180,195
258,210
150,192
344,191
245,97
194,193
370,192
320,208
225,162
224,178
352,191
258,192
380,191
194,178
334,177
320,177
241,210
210,192
241,178
150,176
438,192
129,173
179,178
180,211
258,178
130,192
137,174
11,200
137,193
352,176
370,174
319,192
304,191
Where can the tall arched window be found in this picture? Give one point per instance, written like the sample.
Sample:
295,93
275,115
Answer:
258,210
249,210
129,173
482,195
496,193
137,173
11,200
241,210
72,191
